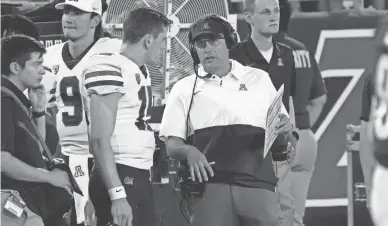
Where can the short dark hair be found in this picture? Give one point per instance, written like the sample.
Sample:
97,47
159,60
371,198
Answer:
142,21
18,24
18,48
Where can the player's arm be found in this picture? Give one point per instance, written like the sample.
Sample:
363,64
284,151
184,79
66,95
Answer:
103,111
104,85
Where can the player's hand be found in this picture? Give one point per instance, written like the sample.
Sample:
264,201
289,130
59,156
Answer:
284,125
198,165
90,217
121,212
37,96
59,178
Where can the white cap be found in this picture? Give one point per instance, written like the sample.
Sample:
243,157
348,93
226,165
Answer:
90,6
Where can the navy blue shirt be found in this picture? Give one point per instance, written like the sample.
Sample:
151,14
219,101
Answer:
309,82
281,67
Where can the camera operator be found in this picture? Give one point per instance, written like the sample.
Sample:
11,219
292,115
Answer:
12,24
221,111
22,164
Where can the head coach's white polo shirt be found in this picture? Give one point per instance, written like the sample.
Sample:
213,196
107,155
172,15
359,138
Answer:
227,116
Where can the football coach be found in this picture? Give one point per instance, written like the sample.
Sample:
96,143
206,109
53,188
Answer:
218,115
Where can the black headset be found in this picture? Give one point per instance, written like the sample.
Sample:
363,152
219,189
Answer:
230,35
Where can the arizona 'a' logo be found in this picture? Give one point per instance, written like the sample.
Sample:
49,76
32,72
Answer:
78,172
243,87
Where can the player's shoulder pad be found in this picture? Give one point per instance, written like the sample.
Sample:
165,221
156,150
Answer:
53,52
55,48
111,45
104,61
103,75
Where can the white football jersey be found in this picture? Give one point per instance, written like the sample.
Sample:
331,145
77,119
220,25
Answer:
133,140
71,118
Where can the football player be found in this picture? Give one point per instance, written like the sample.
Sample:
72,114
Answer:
379,196
118,103
81,24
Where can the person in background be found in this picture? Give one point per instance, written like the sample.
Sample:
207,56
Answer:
82,28
309,99
261,50
22,163
13,24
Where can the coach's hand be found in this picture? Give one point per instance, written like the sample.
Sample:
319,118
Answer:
121,212
284,125
198,165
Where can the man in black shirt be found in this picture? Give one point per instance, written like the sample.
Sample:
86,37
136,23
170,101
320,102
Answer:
22,165
309,99
261,51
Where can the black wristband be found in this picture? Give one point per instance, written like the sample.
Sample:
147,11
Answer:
38,114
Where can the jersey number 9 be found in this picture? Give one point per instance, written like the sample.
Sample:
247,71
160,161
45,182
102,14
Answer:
71,97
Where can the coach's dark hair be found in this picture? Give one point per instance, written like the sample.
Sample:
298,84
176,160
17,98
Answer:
285,14
18,24
18,48
143,21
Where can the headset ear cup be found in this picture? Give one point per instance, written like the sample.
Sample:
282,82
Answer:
231,39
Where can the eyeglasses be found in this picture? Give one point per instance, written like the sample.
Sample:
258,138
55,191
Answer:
201,43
